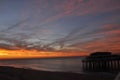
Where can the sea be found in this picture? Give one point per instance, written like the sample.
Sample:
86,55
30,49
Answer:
71,64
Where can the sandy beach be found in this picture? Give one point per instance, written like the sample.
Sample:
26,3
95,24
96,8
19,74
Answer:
11,73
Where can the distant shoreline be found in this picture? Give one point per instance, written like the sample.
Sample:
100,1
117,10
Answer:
43,58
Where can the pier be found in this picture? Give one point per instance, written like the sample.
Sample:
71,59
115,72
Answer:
102,62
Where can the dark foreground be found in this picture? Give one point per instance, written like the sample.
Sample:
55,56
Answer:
10,73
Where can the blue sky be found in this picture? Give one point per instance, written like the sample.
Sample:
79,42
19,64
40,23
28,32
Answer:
65,25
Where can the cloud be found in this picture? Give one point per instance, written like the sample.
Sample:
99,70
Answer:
46,12
15,25
38,16
85,7
98,6
55,10
109,42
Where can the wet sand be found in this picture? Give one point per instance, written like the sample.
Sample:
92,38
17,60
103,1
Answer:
11,73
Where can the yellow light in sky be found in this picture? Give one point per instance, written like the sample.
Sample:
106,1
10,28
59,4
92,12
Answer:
14,54
3,53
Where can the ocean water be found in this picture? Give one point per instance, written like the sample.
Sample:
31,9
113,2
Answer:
51,64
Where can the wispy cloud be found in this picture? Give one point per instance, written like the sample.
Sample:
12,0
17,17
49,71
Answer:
95,22
110,41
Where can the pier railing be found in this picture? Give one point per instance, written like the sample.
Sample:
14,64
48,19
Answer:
102,62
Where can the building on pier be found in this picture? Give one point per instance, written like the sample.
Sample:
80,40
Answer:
102,62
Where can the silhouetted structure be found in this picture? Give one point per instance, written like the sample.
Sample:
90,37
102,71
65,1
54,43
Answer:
102,62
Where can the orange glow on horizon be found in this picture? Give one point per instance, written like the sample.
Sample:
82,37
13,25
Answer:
16,54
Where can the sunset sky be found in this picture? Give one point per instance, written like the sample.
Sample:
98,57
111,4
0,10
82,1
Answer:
76,27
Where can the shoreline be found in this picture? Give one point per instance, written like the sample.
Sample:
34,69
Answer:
30,74
42,58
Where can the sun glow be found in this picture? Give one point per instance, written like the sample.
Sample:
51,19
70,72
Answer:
3,54
15,54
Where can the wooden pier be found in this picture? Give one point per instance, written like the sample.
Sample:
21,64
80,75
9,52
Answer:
102,62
